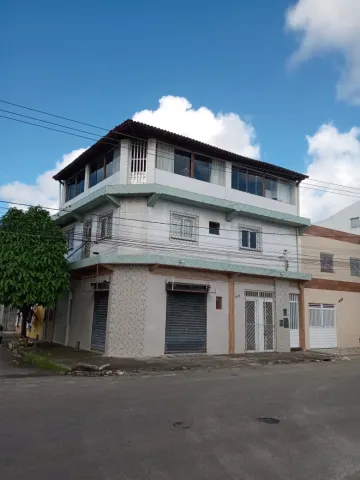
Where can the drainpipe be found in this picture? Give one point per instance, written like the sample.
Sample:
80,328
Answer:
68,318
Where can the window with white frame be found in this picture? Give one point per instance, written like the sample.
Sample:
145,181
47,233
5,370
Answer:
70,236
326,262
184,227
250,238
355,267
105,226
355,222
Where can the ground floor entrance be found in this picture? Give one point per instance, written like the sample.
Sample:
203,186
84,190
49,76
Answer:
259,321
98,333
186,322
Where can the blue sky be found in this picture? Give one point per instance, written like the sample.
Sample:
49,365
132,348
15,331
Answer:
100,62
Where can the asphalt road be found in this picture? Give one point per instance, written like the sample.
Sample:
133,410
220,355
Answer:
193,425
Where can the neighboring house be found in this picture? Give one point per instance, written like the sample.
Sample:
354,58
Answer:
332,297
178,246
346,220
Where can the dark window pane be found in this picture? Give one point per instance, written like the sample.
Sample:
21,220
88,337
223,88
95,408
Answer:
253,240
271,188
92,179
202,168
245,238
214,228
80,187
238,180
70,189
255,184
100,174
109,164
182,163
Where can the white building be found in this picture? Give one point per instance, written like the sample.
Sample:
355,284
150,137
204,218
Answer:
346,220
178,246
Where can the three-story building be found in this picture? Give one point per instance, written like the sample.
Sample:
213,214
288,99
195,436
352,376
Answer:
178,246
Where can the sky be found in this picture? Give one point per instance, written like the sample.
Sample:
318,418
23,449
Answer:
278,81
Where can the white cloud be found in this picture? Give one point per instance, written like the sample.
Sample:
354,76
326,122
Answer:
334,157
45,190
224,130
325,26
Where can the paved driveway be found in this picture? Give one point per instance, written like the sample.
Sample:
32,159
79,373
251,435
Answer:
191,425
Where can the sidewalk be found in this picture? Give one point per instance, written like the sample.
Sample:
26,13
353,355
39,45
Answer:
79,360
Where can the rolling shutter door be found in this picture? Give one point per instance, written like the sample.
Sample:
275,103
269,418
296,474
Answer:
98,334
61,314
186,322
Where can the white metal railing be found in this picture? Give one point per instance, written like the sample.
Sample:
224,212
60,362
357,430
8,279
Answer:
138,162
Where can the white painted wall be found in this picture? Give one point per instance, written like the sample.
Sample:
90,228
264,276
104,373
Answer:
223,247
341,220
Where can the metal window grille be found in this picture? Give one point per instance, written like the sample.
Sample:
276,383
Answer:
105,226
321,315
253,293
355,222
250,238
138,162
184,227
327,262
70,236
355,267
294,311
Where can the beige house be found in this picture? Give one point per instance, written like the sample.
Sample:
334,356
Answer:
331,300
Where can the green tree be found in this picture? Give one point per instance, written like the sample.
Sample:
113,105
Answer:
33,268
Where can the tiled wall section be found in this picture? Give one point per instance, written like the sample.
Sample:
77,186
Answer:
281,303
127,315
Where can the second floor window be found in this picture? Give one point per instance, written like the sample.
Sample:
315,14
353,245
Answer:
355,267
105,226
184,227
250,238
246,181
102,168
70,237
326,262
75,185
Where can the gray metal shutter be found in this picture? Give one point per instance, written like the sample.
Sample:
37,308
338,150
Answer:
186,322
61,314
98,334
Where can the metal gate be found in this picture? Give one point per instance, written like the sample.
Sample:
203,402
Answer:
322,325
98,334
186,322
259,321
61,318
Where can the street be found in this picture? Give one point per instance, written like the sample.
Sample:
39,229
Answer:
191,425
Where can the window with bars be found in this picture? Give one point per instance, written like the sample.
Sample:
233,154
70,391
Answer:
184,227
105,226
321,315
250,238
327,262
70,237
355,267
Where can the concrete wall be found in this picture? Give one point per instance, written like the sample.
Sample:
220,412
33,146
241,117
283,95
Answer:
311,246
81,315
224,247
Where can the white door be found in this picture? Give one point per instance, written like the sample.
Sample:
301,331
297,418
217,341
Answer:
294,321
322,325
259,324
